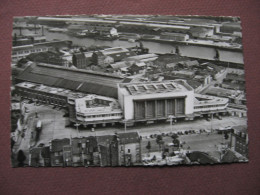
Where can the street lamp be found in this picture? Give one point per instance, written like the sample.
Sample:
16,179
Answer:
77,126
125,121
211,122
171,117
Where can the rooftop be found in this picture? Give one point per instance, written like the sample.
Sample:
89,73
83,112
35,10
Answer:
98,103
76,80
123,138
48,89
155,87
208,100
58,144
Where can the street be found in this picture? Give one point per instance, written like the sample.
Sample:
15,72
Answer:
54,126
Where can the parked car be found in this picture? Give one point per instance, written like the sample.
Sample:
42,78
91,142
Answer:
219,117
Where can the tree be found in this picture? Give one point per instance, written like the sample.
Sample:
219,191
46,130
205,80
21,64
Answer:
148,147
15,39
174,136
177,50
226,136
21,158
217,55
159,141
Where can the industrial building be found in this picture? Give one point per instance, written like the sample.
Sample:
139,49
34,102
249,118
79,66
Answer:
174,36
20,52
73,79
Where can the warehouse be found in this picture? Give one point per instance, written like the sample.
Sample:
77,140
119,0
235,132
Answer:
76,80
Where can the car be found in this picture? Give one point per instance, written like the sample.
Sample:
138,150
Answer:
219,117
41,145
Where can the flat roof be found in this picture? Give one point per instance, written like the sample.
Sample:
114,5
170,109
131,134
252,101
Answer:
51,90
201,100
156,87
94,103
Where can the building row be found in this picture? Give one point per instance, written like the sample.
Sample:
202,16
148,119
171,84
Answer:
19,52
122,149
136,102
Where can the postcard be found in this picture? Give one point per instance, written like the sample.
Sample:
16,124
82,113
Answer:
127,90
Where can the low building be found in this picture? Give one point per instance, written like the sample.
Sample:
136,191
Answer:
198,157
230,27
40,157
49,57
42,94
57,151
106,31
110,55
174,36
205,104
119,66
239,140
202,32
137,68
121,149
93,110
84,151
20,52
143,57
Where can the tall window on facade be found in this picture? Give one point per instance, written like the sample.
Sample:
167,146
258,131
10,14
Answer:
160,108
150,109
180,106
139,109
171,106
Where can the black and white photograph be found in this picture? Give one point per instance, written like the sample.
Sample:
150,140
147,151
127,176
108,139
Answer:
127,90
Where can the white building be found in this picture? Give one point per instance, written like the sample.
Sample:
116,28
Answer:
207,103
155,100
94,109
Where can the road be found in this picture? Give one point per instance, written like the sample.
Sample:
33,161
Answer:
54,126
23,143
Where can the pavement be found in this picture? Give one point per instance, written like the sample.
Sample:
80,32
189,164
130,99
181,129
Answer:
54,125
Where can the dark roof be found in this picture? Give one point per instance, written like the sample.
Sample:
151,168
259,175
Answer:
127,138
193,83
201,157
121,55
79,55
77,80
46,152
58,144
171,58
229,157
104,139
124,138
91,144
37,153
127,80
240,128
236,77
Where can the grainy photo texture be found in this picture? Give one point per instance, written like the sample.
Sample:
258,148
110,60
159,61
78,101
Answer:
127,90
